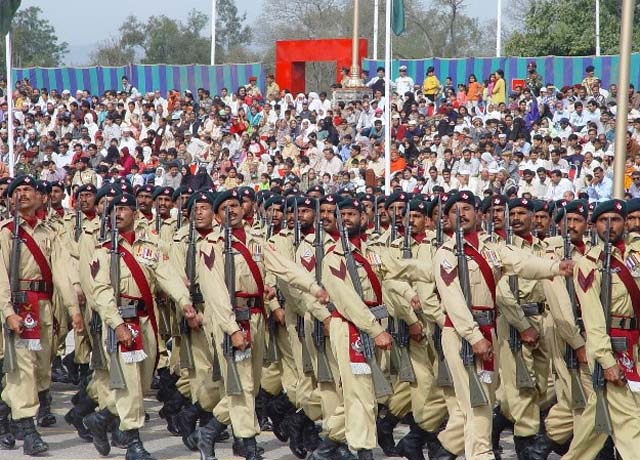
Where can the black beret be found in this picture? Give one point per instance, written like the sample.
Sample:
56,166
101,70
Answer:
21,180
292,191
316,188
491,201
541,206
331,199
458,197
84,188
350,203
124,199
418,206
199,197
182,190
617,206
60,185
163,191
366,197
247,192
303,202
633,205
146,188
225,196
6,180
275,199
580,207
521,203
402,197
107,190
42,186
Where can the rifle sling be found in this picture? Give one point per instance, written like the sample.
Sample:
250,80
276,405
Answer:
36,252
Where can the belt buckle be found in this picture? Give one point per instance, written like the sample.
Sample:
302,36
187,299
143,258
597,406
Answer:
619,344
379,311
128,311
242,313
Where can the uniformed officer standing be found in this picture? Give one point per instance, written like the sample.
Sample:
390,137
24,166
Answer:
476,324
614,346
43,264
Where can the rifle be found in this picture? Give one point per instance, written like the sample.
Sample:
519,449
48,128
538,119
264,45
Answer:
324,369
405,370
18,297
307,364
272,354
491,228
439,226
157,218
234,386
186,353
283,224
578,396
523,378
394,355
377,226
179,214
98,360
78,222
593,236
603,419
103,221
380,384
116,376
477,395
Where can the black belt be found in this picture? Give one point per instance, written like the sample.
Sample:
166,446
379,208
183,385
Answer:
627,324
131,308
484,317
41,286
533,309
619,344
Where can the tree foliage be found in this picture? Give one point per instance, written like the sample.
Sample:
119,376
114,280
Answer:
566,28
34,40
165,40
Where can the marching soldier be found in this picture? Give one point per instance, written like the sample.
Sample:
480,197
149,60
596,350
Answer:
42,265
144,215
470,317
132,318
611,324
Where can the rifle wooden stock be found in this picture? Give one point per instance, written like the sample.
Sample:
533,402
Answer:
307,364
324,374
216,372
98,360
116,376
9,363
18,297
443,379
186,353
233,383
394,354
405,369
272,354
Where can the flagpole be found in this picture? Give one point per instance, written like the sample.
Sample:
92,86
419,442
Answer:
376,14
213,32
9,103
499,29
387,98
597,27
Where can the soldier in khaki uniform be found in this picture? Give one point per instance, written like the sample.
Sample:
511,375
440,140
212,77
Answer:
144,215
487,262
613,346
43,264
350,316
525,311
141,268
84,175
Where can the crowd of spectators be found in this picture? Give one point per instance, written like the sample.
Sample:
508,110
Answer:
538,140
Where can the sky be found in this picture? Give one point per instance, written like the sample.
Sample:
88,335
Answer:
83,24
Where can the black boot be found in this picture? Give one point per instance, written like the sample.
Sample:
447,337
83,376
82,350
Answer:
7,440
443,454
311,436
325,451
186,422
343,453
84,374
523,445
166,384
72,368
239,449
365,454
16,430
384,429
296,428
500,423
279,410
412,444
33,443
118,437
608,450
58,371
44,416
542,447
205,438
98,425
135,449
83,407
262,400
251,449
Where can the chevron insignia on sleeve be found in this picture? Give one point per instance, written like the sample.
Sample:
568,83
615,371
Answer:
340,272
95,267
208,258
585,282
448,276
308,262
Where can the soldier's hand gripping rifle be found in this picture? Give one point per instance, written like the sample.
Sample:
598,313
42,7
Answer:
405,370
116,376
380,384
186,353
307,364
324,369
233,384
603,422
477,395
443,379
18,297
578,396
523,378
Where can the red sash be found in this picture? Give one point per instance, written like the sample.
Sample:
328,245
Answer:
485,269
257,276
626,359
30,311
627,279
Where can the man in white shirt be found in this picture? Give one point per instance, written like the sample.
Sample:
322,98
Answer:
127,141
404,83
558,186
330,164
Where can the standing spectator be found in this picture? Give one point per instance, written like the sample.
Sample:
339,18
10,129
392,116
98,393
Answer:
499,91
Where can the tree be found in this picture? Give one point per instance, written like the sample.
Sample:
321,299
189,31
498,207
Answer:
566,28
165,40
34,41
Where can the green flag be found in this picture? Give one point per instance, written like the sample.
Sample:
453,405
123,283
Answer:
8,10
397,16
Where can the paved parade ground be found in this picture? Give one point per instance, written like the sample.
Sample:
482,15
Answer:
65,445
